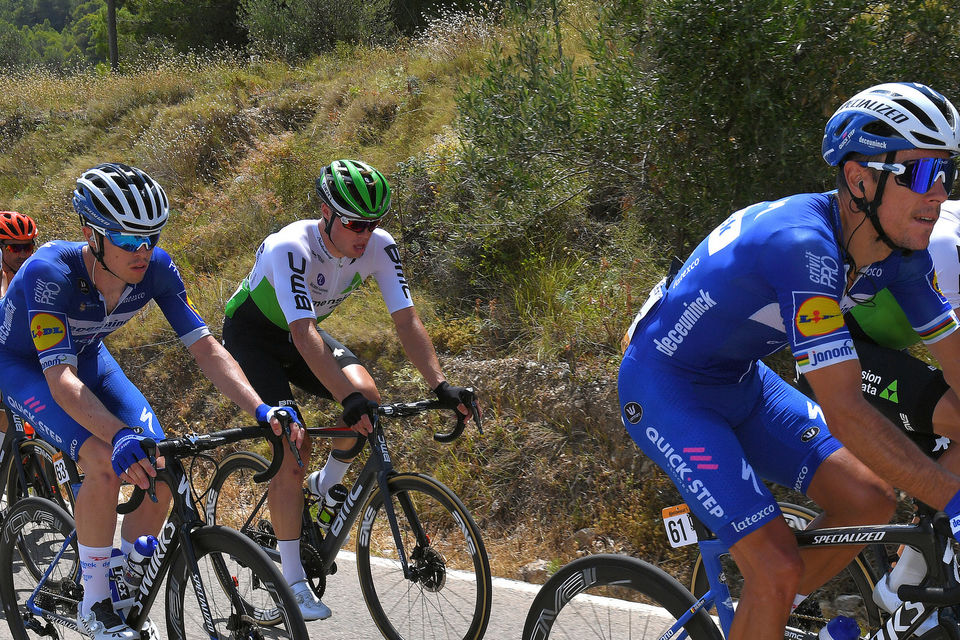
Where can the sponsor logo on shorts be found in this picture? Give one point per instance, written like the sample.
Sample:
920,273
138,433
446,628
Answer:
633,411
810,434
817,316
48,330
683,473
754,518
798,484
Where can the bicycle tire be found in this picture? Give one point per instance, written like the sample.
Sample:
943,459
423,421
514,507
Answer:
449,594
36,456
263,588
43,525
849,593
613,596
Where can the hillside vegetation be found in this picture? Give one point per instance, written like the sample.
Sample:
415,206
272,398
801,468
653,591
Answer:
547,162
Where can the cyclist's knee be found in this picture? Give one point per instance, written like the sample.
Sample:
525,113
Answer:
94,458
773,577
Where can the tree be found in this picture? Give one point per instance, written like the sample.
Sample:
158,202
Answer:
112,34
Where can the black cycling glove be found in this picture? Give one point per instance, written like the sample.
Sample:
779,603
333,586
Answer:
451,397
355,406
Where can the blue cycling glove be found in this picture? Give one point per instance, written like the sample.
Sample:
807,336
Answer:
265,412
126,450
953,512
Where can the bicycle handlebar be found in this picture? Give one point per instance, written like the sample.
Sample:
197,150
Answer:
404,409
194,444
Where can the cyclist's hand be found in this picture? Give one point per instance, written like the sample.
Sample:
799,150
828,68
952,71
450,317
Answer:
267,415
357,410
456,398
129,459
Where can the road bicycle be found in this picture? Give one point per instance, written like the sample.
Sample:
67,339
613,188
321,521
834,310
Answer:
608,595
230,578
30,466
422,565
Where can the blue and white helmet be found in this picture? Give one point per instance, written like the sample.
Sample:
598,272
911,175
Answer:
890,117
115,197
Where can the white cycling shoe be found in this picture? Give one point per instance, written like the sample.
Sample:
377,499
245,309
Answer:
103,623
310,607
886,599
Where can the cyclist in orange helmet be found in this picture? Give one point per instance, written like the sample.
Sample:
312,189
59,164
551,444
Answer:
18,235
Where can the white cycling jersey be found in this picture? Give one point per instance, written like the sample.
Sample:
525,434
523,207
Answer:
945,250
295,276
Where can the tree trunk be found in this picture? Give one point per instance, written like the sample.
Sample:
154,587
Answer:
112,33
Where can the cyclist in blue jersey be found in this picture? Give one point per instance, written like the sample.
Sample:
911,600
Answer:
59,376
698,400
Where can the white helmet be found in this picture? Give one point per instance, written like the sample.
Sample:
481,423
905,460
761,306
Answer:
115,197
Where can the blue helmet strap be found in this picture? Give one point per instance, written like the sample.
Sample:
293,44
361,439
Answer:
871,208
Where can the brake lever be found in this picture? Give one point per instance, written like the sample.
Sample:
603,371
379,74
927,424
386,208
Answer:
285,420
149,447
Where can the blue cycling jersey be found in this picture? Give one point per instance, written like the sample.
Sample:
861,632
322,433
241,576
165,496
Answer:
771,275
693,392
53,312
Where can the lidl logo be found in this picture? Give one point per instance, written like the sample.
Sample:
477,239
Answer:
818,316
48,330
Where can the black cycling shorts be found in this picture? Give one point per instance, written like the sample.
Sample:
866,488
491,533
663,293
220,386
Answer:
904,389
270,360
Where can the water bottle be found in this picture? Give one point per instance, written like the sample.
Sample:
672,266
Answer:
840,628
118,589
331,504
137,562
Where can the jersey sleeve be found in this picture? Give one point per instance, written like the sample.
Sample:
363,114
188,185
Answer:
389,274
945,250
47,294
917,292
804,267
170,295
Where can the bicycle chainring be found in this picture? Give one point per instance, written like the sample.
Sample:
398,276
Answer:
264,535
313,566
429,568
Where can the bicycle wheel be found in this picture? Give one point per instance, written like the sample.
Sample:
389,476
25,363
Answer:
449,590
236,501
613,596
849,593
34,532
238,581
36,456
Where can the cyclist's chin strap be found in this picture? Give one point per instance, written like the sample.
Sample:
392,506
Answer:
870,209
98,250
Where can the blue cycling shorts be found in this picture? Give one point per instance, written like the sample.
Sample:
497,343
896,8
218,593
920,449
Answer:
717,441
26,393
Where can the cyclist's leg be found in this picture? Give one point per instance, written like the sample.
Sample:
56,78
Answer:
688,429
811,461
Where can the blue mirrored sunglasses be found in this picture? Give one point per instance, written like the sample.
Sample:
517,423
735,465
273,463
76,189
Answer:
920,175
131,243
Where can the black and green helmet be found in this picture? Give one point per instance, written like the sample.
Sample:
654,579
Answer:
354,190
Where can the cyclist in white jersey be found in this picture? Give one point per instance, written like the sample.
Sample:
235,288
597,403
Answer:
300,275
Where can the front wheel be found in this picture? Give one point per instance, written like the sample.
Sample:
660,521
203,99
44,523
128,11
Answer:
239,582
34,532
447,593
612,596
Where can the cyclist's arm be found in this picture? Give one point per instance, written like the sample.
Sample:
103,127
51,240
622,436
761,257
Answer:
226,375
947,352
324,366
81,404
419,348
874,439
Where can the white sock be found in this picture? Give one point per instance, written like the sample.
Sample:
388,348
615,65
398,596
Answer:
332,473
290,563
797,600
910,569
94,565
125,547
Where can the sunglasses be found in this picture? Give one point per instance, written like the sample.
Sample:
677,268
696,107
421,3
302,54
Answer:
358,226
920,175
20,248
131,243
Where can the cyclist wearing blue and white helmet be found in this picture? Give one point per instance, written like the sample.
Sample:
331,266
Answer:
696,397
60,377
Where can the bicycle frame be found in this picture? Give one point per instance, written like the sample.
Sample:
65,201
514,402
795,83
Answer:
936,549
